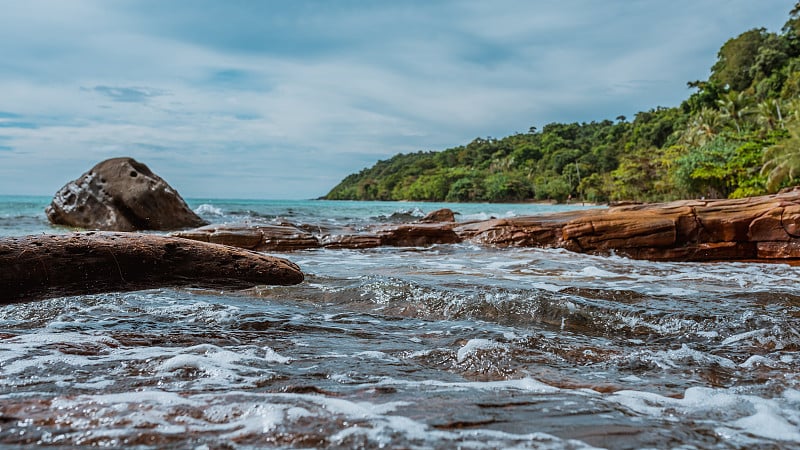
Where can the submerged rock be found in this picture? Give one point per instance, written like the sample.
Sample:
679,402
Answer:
261,237
287,237
121,194
45,266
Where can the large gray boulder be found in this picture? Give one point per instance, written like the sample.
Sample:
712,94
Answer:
121,194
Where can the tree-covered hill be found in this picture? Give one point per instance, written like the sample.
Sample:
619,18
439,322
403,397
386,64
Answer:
737,135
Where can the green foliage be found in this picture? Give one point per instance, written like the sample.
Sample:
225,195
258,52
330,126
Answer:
736,60
465,189
555,188
728,139
645,175
782,160
704,170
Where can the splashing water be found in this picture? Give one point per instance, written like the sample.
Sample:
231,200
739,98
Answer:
443,347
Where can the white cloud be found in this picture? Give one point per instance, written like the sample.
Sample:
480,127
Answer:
262,112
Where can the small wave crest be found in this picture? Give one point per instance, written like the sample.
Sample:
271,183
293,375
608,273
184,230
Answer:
402,215
741,416
487,216
137,419
207,209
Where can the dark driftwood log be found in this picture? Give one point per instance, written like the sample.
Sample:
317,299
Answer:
45,266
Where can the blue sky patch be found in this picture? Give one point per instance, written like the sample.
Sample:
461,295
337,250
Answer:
18,124
128,94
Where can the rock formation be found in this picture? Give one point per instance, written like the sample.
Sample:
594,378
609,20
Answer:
261,237
287,237
756,228
44,266
121,194
440,215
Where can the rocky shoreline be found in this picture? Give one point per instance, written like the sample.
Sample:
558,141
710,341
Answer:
765,228
122,194
227,256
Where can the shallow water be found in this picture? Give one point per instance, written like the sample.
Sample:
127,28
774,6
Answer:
445,347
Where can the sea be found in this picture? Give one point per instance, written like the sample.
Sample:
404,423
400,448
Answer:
440,347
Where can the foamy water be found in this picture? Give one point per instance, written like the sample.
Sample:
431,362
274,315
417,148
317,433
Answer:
452,346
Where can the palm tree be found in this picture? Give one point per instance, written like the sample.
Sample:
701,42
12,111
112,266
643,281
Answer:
793,110
782,160
734,106
769,114
706,124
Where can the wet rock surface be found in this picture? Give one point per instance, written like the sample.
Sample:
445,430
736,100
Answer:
755,228
121,194
46,266
285,237
440,215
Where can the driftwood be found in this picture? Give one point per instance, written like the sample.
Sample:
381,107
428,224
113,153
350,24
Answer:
765,228
45,266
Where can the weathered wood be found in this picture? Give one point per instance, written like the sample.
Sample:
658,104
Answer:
45,266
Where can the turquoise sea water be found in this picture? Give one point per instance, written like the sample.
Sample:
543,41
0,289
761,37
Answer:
25,214
441,347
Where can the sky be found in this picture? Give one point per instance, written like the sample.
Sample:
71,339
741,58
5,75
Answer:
281,99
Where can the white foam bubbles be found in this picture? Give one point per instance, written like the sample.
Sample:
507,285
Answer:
738,415
593,272
677,358
374,354
196,312
526,384
43,355
768,422
208,210
273,356
205,365
474,345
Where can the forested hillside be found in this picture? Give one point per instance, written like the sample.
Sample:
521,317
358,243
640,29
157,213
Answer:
737,135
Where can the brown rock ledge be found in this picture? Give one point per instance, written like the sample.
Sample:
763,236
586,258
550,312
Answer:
45,266
765,228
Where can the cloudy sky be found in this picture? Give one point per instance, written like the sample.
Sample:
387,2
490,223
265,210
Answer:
281,99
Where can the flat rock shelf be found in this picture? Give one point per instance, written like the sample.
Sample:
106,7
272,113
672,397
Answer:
765,228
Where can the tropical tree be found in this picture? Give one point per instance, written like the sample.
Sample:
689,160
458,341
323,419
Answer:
793,110
706,170
702,128
770,116
734,106
735,59
782,159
